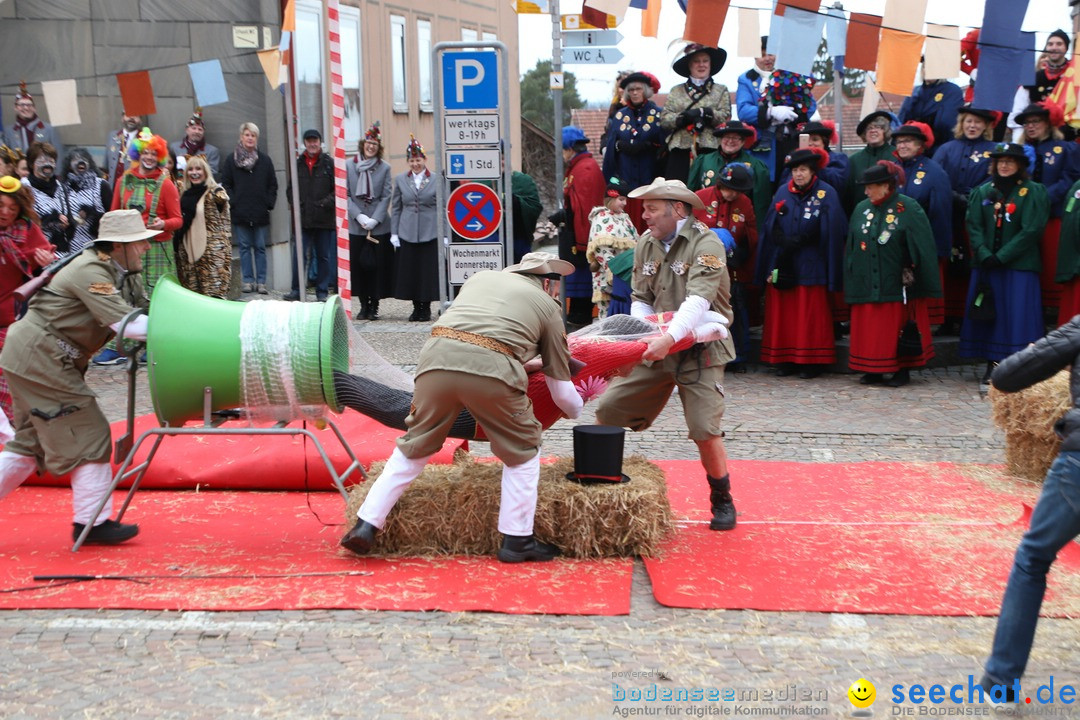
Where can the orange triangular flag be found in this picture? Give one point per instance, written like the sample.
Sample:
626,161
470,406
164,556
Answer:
288,18
136,93
650,19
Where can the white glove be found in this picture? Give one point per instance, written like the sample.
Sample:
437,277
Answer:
394,241
369,223
781,114
710,331
362,219
565,395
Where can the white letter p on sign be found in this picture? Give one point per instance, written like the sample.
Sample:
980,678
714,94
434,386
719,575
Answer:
461,82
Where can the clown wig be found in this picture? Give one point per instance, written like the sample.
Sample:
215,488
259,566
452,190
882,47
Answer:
146,139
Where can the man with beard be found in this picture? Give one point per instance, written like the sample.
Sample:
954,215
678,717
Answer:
194,143
116,147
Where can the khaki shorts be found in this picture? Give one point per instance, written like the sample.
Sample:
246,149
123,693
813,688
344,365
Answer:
75,431
634,401
505,414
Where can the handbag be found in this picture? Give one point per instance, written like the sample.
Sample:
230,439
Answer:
982,303
368,260
909,344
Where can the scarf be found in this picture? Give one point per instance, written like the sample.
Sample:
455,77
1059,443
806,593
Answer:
28,128
696,88
192,207
245,159
884,200
363,179
796,190
189,148
11,238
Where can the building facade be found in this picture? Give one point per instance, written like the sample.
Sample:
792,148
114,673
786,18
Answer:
387,71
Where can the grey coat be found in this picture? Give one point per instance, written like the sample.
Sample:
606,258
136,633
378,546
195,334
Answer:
44,132
376,207
213,157
114,145
415,216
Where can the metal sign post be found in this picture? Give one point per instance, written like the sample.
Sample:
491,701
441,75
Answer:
472,142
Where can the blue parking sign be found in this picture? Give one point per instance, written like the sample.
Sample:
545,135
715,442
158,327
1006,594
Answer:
470,80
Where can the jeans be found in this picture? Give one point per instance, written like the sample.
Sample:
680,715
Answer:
1054,523
322,242
252,240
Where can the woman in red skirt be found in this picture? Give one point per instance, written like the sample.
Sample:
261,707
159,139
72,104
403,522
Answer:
890,270
799,263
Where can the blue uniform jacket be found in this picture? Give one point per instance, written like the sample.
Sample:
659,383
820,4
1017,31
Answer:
936,105
752,109
639,132
928,185
966,162
809,228
1056,168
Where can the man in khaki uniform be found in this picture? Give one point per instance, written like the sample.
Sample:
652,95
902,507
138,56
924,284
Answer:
679,266
58,424
474,358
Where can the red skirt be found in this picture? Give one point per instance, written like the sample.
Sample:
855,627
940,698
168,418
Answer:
936,306
1048,253
798,326
1069,301
875,330
840,310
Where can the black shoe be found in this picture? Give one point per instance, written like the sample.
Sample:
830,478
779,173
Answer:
737,368
373,310
320,297
872,379
360,538
900,378
785,369
291,296
988,684
109,532
365,309
723,509
839,331
517,549
947,329
811,372
989,371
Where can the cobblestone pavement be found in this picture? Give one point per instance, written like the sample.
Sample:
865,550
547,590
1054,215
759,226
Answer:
323,664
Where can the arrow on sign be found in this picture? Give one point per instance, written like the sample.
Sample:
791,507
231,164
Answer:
591,38
473,197
591,56
475,225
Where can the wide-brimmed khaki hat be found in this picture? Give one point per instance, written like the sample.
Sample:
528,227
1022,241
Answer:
123,226
662,189
541,263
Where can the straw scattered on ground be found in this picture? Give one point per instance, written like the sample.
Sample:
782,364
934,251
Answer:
454,509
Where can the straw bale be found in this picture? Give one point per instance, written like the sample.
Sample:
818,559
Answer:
1027,418
454,510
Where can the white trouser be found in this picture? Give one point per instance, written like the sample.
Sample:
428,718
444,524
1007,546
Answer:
14,470
517,507
396,476
6,431
88,483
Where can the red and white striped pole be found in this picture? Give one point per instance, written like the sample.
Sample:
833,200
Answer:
337,103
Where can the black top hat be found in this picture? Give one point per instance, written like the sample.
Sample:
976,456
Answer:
808,156
717,58
865,122
1031,111
877,173
734,126
736,176
1012,150
636,77
987,115
598,454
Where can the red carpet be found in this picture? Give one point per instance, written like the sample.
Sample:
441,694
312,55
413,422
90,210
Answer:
883,538
252,462
277,555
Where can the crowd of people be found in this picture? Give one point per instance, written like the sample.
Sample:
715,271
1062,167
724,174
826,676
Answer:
933,228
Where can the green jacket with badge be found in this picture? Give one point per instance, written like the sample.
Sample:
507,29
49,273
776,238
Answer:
884,239
1008,227
694,265
1068,262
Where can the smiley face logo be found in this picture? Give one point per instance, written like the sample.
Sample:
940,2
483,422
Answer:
862,695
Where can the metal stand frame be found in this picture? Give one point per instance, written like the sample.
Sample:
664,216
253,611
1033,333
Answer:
211,426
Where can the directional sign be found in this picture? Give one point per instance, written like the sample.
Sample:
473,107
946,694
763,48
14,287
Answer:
474,211
473,164
576,22
470,80
473,129
465,259
591,56
591,38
